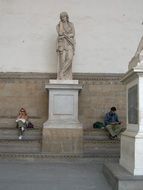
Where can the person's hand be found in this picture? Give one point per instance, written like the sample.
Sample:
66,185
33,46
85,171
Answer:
61,36
113,123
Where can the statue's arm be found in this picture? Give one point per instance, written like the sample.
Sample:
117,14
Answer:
72,33
60,29
73,30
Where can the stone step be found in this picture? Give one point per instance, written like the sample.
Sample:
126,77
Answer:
94,131
19,146
94,147
101,146
96,137
97,142
102,154
24,155
35,156
90,147
98,134
12,133
107,142
31,142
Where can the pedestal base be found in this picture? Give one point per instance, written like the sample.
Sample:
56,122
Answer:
120,179
66,140
132,152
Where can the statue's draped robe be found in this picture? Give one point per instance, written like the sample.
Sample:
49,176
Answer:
65,49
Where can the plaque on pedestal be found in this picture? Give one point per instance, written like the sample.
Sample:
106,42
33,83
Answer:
133,105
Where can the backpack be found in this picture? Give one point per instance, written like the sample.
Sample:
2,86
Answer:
98,125
30,125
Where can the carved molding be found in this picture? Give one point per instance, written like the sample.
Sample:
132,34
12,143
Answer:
77,76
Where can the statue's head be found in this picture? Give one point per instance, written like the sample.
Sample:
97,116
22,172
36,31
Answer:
64,16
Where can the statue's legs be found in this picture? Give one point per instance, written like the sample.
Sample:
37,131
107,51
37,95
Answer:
67,67
61,63
65,64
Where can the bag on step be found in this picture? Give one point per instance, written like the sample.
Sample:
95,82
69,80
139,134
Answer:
98,125
30,125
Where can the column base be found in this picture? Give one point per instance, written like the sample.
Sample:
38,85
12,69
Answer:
120,179
131,152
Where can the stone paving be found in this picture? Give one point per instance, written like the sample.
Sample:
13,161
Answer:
53,174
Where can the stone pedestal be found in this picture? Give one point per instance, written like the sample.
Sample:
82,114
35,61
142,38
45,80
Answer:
132,139
128,175
62,133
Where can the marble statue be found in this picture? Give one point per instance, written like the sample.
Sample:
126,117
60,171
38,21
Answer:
65,47
138,57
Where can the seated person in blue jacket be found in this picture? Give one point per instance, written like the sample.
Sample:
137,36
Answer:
112,123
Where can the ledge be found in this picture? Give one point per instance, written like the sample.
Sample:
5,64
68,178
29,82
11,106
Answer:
78,76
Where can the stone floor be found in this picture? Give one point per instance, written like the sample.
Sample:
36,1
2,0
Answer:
53,174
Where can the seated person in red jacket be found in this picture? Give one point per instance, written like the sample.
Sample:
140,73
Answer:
22,122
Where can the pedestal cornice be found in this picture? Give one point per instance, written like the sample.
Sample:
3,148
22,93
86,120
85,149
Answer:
131,75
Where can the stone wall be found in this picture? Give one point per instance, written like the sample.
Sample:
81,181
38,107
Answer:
99,93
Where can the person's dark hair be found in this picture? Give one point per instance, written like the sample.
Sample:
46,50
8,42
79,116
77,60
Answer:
22,110
113,108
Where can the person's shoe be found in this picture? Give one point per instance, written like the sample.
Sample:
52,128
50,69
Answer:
112,137
20,137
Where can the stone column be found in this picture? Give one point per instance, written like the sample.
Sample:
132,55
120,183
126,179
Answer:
132,139
128,174
62,133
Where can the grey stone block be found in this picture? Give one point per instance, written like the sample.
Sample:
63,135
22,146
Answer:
120,179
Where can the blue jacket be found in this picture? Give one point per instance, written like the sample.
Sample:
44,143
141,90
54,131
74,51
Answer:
110,117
